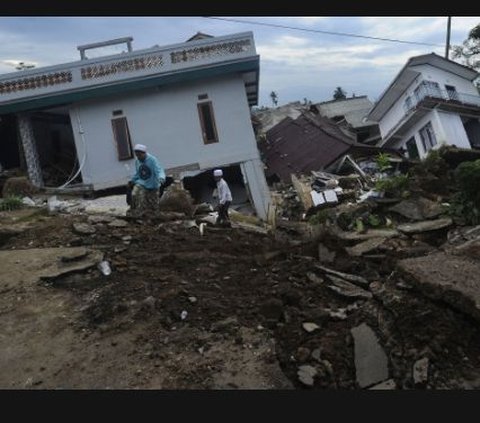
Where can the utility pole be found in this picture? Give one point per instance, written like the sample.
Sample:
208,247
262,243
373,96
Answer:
447,46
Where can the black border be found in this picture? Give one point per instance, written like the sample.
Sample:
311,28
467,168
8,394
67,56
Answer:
239,8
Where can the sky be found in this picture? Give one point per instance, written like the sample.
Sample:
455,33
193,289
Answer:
297,64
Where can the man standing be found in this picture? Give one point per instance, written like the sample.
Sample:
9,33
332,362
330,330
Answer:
145,184
224,198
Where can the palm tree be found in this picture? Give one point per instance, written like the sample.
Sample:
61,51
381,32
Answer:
274,97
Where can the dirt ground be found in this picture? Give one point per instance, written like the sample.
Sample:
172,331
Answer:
220,311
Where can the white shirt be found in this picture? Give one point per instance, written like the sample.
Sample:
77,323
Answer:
224,193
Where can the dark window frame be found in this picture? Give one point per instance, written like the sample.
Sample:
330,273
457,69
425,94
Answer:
428,134
212,127
129,153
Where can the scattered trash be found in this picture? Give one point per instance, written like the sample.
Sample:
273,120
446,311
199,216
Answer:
183,315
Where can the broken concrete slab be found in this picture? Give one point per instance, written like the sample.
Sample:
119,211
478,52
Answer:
371,363
418,209
365,246
29,266
358,280
371,233
347,289
452,279
425,226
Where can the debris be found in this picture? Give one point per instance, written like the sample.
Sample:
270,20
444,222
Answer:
388,385
306,374
365,246
83,229
104,267
371,363
347,289
192,299
420,371
425,226
117,223
310,327
358,280
183,315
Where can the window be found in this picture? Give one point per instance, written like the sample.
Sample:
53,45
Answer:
122,138
451,92
117,112
207,120
428,137
203,96
412,149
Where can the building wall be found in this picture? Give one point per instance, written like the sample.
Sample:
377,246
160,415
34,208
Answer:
167,122
428,73
454,130
448,129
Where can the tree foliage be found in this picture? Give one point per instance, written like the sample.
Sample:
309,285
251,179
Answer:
469,51
274,97
339,94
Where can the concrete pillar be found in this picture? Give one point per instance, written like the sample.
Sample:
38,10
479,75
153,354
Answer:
32,159
254,176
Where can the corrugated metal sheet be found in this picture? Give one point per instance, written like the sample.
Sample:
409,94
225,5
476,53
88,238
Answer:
302,145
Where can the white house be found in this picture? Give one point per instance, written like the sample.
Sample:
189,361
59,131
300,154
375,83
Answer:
189,103
432,101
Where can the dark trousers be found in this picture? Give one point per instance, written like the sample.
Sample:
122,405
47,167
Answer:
223,213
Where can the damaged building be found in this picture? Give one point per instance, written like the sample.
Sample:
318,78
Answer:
310,143
431,102
73,125
351,115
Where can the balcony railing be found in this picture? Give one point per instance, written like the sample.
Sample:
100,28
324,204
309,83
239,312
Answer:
107,70
428,91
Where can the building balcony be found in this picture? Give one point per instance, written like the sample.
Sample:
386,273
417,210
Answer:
426,99
141,65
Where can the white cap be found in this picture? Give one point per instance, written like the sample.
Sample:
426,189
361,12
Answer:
217,172
140,147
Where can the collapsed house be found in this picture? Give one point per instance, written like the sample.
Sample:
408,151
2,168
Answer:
431,102
351,115
73,125
265,119
309,143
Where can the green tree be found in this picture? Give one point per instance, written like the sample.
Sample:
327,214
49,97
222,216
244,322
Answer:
274,97
469,51
339,94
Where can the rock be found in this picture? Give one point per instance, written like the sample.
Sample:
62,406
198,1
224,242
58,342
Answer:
470,248
192,299
306,374
127,238
310,327
371,363
314,278
371,233
417,209
316,354
420,371
84,229
118,223
365,246
425,226
73,255
149,303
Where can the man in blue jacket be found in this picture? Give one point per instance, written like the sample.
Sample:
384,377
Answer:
149,177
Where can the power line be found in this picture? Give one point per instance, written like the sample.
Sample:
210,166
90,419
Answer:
344,34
